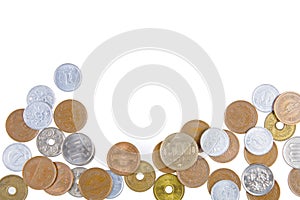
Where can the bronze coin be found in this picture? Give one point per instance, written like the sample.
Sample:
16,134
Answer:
123,158
13,187
274,194
196,175
293,181
70,116
240,116
158,163
17,129
63,182
39,172
95,183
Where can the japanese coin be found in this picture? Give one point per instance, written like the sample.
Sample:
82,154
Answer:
118,185
67,77
264,96
158,163
225,189
41,93
293,180
274,194
74,191
291,152
13,187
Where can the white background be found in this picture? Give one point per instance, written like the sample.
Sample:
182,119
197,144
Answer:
250,43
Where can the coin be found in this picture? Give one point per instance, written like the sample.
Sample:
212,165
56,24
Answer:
158,163
41,93
74,191
264,96
196,175
95,183
78,149
63,182
274,194
15,156
293,181
146,181
240,116
67,77
123,158
225,189
168,187
17,129
39,173
179,151
13,187
281,134
118,185
70,116
49,142
291,152
257,179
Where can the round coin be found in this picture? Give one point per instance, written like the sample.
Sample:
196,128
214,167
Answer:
264,96
118,185
67,77
225,189
274,194
291,152
158,163
293,181
13,187
74,191
41,93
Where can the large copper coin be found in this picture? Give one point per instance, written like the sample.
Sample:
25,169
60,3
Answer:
240,116
63,182
17,129
95,183
294,182
158,163
70,116
274,194
39,172
13,187
123,158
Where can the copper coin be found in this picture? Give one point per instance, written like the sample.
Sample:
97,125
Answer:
293,181
158,163
196,175
274,194
63,182
240,116
39,172
13,187
232,150
70,116
123,158
17,129
95,183
223,174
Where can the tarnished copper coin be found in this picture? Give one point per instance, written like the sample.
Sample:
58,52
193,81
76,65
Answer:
95,183
13,187
293,180
63,182
123,158
158,163
240,116
17,129
70,116
274,194
39,173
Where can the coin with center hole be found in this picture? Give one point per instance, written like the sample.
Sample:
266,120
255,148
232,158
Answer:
118,185
67,77
291,152
41,93
158,163
274,194
13,187
293,181
74,191
264,96
225,189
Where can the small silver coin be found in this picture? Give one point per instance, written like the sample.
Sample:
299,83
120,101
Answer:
214,142
67,77
78,149
264,96
49,142
258,179
258,140
118,185
291,152
15,156
41,93
225,189
74,191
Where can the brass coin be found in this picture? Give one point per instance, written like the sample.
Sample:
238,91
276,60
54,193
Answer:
165,182
293,181
274,194
240,116
141,185
123,158
17,129
232,150
158,163
95,183
70,116
279,134
13,187
196,175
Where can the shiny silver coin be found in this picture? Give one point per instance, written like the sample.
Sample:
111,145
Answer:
41,93
74,191
225,189
264,96
78,149
291,152
118,185
67,77
15,156
49,142
258,140
214,142
258,179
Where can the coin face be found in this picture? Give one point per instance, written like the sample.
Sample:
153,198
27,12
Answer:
41,93
123,158
13,187
74,191
264,96
291,152
225,189
240,116
70,116
158,163
179,151
67,77
274,194
118,185
293,180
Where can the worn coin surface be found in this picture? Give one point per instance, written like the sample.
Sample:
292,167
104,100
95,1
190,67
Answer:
240,116
70,116
274,194
67,77
264,96
123,158
41,93
293,181
291,152
15,156
225,189
158,163
74,191
118,185
13,187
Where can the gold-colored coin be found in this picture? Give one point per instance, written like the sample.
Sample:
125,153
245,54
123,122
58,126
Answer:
168,187
274,194
142,179
279,134
13,187
293,181
158,163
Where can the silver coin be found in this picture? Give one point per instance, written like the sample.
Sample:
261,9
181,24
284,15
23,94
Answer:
291,152
41,93
78,149
74,191
49,142
15,156
258,179
214,142
118,185
67,77
258,140
264,96
225,189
